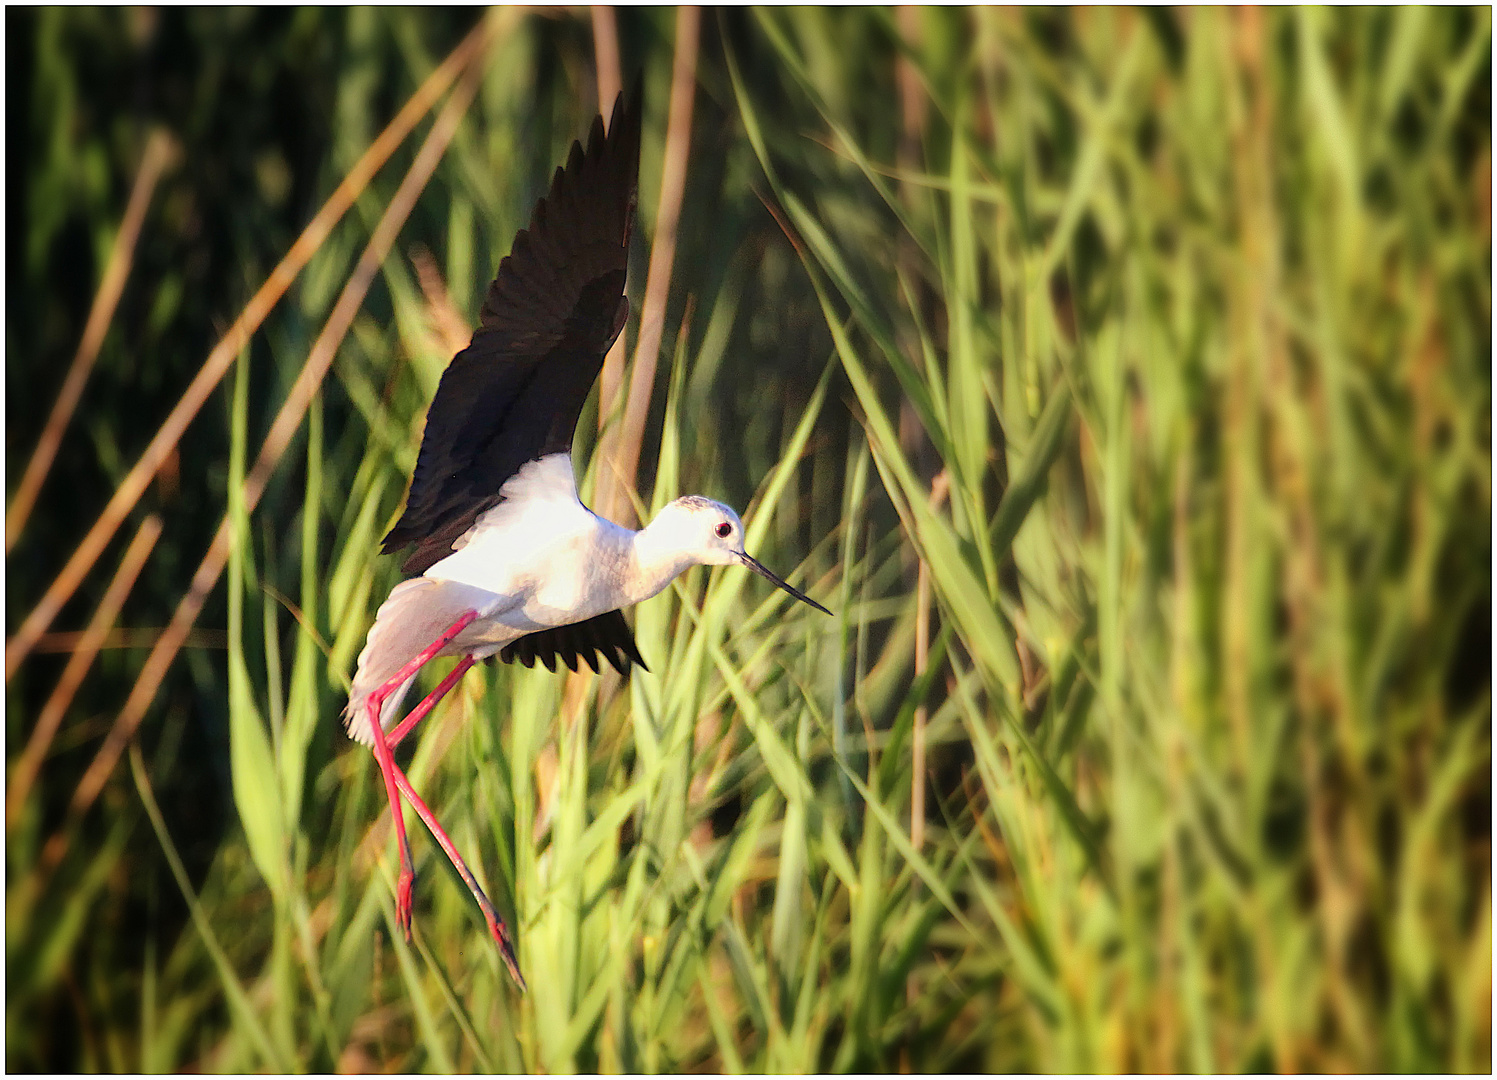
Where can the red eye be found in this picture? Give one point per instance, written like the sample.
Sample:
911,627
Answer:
723,529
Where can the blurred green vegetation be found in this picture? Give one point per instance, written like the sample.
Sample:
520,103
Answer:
1147,352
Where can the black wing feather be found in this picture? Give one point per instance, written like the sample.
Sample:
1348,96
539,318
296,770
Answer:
554,308
605,635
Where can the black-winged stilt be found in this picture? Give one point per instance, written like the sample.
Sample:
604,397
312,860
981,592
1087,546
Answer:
508,559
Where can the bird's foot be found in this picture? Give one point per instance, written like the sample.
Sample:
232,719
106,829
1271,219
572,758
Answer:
403,890
506,949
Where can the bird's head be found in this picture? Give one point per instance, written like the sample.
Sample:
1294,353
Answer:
713,536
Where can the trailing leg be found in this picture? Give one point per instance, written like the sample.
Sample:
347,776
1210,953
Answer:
416,715
497,929
386,760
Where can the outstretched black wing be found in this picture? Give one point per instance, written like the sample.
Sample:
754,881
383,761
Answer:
554,308
605,635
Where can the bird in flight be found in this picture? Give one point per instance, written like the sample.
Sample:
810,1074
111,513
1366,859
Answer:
507,559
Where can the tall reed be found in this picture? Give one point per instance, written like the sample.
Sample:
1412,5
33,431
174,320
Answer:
1155,345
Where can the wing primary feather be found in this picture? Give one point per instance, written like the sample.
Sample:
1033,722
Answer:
607,635
590,656
554,307
569,646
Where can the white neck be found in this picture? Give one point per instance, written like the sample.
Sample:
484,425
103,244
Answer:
655,560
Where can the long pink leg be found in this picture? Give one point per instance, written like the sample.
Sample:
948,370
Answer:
496,925
386,761
416,715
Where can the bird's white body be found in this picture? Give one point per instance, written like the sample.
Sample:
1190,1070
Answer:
539,559
547,559
508,558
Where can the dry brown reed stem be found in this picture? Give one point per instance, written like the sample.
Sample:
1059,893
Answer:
223,354
574,694
450,331
287,421
610,81
23,776
606,57
617,473
158,154
609,495
133,637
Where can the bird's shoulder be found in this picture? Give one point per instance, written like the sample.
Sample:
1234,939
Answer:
535,506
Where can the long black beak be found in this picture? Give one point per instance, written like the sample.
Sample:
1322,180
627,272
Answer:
763,571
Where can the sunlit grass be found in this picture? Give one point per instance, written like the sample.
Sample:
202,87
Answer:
1156,346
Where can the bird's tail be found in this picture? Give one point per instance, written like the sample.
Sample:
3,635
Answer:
414,615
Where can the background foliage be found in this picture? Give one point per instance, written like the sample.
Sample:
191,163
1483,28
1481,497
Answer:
1121,379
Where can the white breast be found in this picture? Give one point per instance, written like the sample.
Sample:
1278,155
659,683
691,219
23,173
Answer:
543,549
